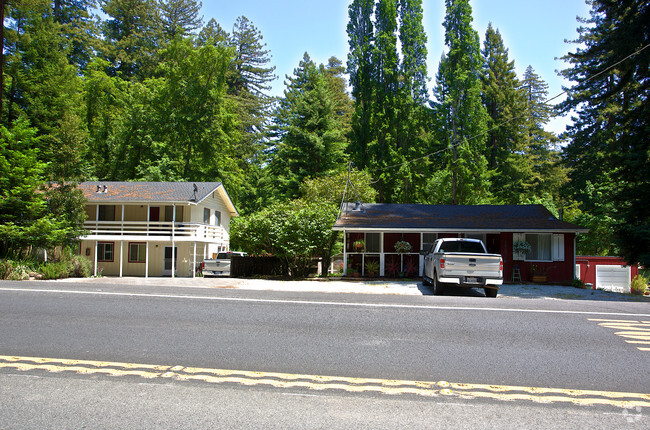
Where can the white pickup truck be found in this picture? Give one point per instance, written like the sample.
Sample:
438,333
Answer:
463,263
220,265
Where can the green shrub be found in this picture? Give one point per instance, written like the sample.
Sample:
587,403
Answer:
578,283
14,270
639,285
55,270
81,267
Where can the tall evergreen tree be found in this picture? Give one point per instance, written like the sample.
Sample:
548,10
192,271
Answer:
609,144
506,145
541,145
130,38
310,142
47,89
389,93
214,32
361,36
413,42
459,107
179,17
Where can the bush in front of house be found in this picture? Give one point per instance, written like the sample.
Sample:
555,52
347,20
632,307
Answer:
69,265
639,285
15,270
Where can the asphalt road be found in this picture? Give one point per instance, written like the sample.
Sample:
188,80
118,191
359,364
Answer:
563,344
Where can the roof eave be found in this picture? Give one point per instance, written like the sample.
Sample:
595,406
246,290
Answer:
460,229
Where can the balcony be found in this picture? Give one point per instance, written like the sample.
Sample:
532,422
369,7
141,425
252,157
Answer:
161,231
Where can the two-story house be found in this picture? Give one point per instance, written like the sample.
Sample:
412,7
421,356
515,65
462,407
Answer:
155,228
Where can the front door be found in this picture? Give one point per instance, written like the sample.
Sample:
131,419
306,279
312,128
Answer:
167,264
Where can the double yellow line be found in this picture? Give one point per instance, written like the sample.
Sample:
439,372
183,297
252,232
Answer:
319,382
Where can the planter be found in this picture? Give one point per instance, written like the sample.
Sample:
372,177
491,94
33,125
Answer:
538,279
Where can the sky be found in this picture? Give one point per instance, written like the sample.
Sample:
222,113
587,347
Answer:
533,31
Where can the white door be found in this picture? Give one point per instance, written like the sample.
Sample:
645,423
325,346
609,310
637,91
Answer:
613,278
167,263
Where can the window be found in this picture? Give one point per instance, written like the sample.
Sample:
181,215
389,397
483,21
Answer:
105,251
372,242
137,252
106,213
462,246
540,247
206,216
217,218
428,239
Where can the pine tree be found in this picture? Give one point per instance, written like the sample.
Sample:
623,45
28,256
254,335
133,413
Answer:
213,31
310,139
459,108
179,17
541,146
389,92
130,38
361,36
506,145
47,90
609,144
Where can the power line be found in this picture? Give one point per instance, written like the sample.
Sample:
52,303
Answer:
455,144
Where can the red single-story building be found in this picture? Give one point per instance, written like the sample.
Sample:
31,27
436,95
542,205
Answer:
606,273
551,243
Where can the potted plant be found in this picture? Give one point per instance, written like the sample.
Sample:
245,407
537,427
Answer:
359,245
393,267
353,271
537,274
372,268
521,247
403,247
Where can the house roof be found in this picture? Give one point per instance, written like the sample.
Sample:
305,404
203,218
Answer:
412,217
153,192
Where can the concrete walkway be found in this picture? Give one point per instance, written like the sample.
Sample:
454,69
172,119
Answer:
401,287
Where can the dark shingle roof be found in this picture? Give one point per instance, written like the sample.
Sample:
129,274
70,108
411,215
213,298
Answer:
148,192
386,216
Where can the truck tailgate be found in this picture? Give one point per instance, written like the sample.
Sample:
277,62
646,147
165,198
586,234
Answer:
475,265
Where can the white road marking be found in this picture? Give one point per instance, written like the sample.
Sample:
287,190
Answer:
315,302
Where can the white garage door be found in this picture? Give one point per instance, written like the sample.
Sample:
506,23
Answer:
613,278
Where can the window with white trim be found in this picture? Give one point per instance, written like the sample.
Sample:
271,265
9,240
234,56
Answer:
428,240
372,242
540,247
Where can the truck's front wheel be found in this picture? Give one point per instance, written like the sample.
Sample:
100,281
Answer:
438,288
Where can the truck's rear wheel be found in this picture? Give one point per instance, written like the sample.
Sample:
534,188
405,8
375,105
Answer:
438,288
490,292
425,281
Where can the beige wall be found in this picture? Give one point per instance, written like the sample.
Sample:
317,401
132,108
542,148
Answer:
185,259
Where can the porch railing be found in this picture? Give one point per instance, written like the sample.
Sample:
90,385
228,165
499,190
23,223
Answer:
153,230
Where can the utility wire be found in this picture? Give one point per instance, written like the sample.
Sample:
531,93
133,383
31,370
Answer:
455,144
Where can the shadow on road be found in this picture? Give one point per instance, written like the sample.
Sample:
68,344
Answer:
452,291
536,291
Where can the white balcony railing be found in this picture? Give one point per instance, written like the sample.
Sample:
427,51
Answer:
159,230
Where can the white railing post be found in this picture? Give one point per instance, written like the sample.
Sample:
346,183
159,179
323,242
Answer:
173,241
